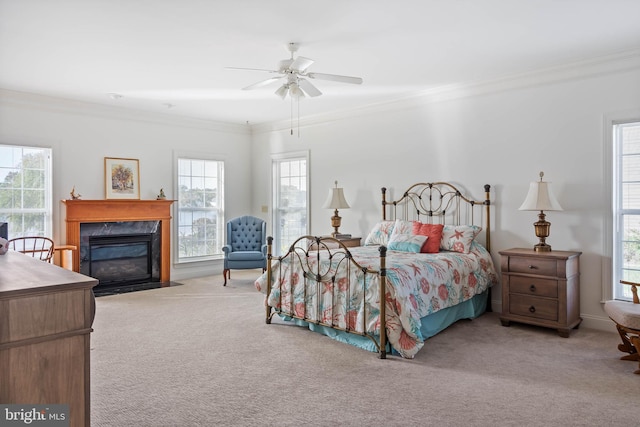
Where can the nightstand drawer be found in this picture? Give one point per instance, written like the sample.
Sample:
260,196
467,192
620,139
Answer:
531,265
541,308
533,286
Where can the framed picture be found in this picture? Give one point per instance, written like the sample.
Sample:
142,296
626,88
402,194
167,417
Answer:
121,178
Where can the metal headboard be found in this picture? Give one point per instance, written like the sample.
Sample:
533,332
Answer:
439,202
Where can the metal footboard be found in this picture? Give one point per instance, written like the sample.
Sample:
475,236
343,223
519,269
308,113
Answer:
322,265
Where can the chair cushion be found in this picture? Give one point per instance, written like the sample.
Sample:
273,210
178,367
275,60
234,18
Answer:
624,313
245,256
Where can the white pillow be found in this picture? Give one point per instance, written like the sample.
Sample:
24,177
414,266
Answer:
379,234
402,227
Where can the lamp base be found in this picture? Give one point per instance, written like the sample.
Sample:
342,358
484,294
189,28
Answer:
542,247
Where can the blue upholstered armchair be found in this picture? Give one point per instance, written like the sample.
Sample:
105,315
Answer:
246,246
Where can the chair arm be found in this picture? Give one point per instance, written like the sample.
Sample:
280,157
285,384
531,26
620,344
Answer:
226,249
264,250
634,290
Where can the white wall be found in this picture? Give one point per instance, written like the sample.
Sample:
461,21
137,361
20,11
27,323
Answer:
503,136
81,135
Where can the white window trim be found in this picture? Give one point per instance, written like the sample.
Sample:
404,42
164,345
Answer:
174,224
609,223
285,156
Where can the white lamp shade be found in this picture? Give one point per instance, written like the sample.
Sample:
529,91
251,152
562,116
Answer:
282,91
336,199
540,198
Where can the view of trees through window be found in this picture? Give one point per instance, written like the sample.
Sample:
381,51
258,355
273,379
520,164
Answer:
25,190
200,208
628,207
290,202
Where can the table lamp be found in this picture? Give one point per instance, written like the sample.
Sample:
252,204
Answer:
540,198
336,201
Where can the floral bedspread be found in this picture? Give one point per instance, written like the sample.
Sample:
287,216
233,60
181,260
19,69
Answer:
417,285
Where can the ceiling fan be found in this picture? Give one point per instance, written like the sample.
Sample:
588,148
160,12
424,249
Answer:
293,75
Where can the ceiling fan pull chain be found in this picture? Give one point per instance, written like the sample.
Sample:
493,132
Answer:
298,117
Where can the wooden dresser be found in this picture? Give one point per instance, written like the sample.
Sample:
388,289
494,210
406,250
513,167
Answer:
46,314
541,288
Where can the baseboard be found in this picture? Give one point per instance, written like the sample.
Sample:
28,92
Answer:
597,322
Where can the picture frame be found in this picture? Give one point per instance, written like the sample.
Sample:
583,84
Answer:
121,178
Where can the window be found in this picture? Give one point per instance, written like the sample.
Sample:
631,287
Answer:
25,190
290,192
200,209
626,207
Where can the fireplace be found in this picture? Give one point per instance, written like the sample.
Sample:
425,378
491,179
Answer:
120,253
93,218
120,259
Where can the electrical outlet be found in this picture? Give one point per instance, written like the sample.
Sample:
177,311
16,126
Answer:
265,209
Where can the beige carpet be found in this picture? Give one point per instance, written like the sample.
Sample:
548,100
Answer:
201,354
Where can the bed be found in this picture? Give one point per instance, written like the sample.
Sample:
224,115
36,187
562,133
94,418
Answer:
428,259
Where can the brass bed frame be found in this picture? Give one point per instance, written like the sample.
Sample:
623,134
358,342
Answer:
429,202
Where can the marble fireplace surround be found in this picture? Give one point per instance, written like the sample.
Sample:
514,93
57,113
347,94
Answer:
91,211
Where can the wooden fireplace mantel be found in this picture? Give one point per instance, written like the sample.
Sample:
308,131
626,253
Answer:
83,211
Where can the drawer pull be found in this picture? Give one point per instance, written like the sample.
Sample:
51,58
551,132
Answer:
532,288
532,267
532,309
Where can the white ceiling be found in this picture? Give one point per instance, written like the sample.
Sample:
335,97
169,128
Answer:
158,52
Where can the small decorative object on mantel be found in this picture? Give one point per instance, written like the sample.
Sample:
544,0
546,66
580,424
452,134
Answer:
74,195
161,196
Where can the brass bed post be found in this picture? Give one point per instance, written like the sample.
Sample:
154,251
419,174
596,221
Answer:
269,273
383,302
487,207
487,204
384,203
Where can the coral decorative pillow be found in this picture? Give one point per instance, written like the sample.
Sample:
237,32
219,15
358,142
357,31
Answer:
380,233
407,242
458,238
434,234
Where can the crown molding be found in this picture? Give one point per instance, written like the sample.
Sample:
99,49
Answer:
594,67
69,106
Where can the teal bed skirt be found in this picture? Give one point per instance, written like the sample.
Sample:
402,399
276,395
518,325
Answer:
431,324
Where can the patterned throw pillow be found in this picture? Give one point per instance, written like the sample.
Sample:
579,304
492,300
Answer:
402,227
407,242
433,231
380,233
458,238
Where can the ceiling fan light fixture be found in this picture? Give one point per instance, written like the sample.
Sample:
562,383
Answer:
295,91
282,91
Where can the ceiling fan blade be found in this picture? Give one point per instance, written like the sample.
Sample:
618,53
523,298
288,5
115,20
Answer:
251,69
310,89
335,78
301,63
262,83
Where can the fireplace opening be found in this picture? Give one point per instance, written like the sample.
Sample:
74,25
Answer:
124,259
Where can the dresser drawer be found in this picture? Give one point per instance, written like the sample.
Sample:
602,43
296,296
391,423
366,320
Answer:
533,286
540,308
531,265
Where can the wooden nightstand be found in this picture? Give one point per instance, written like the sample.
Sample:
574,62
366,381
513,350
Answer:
351,242
541,288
